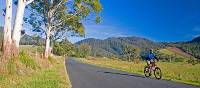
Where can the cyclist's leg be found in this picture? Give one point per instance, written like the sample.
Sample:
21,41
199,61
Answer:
152,63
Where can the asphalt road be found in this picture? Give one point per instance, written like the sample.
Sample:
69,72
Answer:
89,76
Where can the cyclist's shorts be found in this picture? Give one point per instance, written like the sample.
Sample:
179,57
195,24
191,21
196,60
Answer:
151,60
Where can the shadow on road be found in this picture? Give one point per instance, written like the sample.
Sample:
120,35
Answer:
122,74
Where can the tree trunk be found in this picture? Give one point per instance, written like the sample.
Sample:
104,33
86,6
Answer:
47,44
7,30
129,57
48,34
18,27
7,37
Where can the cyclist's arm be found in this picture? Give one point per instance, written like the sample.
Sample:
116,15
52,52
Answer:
156,58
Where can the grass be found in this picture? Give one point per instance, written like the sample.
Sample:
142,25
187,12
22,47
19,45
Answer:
175,71
27,60
54,76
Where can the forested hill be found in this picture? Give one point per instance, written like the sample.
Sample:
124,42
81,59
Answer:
114,46
136,41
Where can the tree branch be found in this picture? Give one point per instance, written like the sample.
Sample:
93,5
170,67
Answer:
56,7
28,2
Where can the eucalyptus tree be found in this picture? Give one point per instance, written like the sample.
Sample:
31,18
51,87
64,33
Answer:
56,17
18,25
7,29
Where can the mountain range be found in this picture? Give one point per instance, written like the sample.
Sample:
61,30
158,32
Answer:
113,47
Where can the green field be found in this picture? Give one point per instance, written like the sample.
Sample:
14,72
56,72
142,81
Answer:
174,71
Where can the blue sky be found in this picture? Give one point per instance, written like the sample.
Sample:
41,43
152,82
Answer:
159,20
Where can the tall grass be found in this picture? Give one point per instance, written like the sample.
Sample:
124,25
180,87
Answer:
11,67
27,60
54,77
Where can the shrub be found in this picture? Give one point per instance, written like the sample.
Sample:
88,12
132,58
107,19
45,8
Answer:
192,61
27,60
51,60
63,48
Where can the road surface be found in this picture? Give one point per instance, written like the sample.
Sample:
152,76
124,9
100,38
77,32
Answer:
89,76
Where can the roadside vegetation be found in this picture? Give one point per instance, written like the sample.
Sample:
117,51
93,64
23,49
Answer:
174,71
33,72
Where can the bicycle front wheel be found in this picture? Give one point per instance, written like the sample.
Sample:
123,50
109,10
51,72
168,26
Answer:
157,73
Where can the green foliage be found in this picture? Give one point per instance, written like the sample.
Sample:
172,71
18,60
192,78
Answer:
57,17
27,60
11,67
63,48
83,51
131,52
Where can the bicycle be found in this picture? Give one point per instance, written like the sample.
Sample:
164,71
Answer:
152,67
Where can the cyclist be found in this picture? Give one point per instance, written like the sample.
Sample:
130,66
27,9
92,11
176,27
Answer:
151,57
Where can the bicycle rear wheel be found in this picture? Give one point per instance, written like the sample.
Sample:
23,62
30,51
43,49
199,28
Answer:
147,73
157,73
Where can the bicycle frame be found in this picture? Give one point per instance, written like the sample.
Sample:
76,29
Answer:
152,66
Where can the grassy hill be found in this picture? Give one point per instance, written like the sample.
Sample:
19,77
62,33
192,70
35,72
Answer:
190,47
174,54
